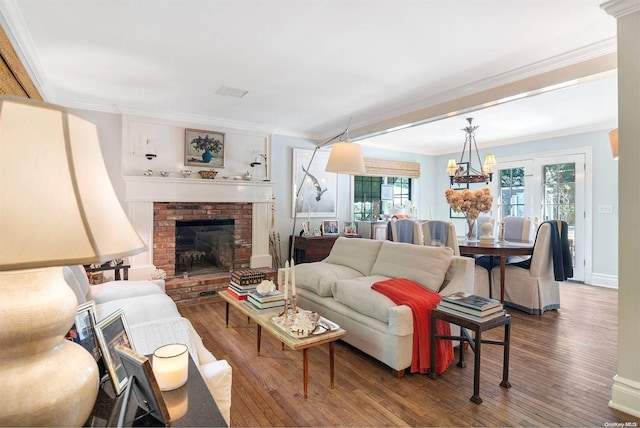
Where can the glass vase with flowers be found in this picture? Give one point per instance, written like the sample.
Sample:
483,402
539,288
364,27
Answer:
470,204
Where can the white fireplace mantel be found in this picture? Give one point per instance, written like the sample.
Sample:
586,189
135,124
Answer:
142,191
170,189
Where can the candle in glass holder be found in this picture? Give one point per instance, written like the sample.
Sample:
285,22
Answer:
171,366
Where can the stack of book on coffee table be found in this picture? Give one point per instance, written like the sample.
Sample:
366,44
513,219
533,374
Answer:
243,281
265,301
471,306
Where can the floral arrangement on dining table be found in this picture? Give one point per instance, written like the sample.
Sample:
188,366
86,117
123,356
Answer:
470,204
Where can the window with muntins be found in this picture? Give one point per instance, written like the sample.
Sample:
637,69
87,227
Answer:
512,193
373,200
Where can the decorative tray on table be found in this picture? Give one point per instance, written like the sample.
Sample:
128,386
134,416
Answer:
304,324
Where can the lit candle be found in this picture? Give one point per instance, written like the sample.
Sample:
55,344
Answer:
309,218
293,278
286,279
170,366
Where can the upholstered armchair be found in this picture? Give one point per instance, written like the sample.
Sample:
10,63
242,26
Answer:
531,286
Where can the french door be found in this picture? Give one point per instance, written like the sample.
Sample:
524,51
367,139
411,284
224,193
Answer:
561,194
546,188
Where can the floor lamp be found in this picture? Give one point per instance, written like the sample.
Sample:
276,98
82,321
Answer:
345,158
57,208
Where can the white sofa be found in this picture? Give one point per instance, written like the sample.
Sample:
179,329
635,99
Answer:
153,320
339,288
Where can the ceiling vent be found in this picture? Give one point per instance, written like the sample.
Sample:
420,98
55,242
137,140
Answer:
231,92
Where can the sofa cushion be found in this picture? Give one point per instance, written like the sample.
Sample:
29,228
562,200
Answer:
357,294
357,253
422,264
319,277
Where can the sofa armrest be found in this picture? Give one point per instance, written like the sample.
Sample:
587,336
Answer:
460,276
400,320
160,283
217,375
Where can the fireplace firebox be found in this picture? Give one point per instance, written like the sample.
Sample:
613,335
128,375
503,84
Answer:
204,245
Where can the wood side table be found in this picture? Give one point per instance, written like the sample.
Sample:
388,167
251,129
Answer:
475,344
116,268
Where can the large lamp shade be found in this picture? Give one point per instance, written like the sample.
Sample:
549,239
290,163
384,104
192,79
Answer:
57,207
346,158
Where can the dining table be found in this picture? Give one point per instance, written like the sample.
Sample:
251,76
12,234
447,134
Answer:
496,248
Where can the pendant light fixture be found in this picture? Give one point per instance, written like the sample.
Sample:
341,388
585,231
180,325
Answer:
463,172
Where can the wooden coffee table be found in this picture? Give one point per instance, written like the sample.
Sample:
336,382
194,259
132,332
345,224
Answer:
263,321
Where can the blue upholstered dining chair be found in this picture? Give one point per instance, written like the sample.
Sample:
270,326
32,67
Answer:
438,233
516,229
402,230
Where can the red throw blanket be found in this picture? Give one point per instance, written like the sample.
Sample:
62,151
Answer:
403,291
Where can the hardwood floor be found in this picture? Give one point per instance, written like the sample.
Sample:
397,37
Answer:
561,369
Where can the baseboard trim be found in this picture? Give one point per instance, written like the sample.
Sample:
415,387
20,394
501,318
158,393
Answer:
625,396
603,280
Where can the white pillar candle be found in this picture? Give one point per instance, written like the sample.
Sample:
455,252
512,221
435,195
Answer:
293,278
171,366
286,279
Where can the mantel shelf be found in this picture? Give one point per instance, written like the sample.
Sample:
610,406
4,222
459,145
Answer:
179,189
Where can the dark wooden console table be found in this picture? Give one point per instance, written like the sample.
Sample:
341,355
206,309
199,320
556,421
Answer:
202,410
474,343
313,248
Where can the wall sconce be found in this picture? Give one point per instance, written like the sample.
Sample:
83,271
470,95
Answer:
258,161
613,141
150,149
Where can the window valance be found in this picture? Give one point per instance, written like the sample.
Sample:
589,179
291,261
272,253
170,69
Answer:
391,168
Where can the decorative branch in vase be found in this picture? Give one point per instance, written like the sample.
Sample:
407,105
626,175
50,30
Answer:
470,204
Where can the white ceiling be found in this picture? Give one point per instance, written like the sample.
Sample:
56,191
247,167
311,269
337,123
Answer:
309,65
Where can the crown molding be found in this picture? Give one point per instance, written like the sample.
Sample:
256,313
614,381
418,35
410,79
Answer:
13,23
620,8
524,81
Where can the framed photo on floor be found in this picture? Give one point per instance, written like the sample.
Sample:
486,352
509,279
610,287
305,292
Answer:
319,191
111,332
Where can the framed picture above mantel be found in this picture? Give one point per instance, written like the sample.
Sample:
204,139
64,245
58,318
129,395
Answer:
204,148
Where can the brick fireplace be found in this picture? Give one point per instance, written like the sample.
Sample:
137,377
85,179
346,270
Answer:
166,214
154,204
